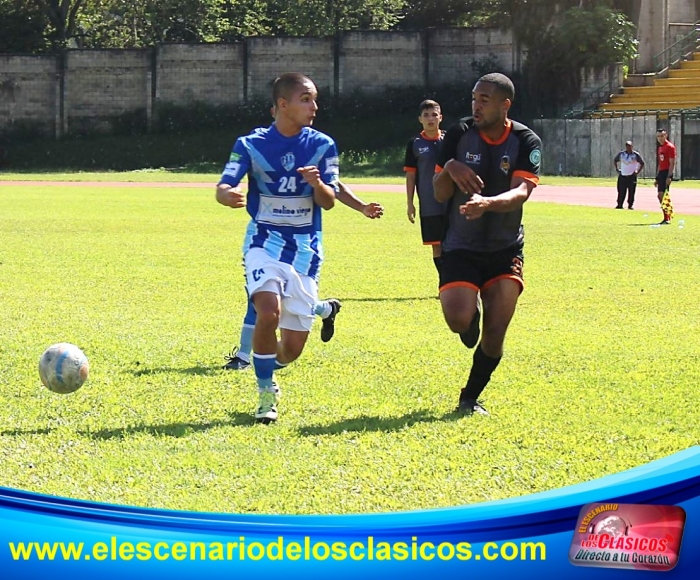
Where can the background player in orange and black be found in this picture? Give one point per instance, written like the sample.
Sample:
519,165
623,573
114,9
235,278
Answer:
665,164
419,165
487,167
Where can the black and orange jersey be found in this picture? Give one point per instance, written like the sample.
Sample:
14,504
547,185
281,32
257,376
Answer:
421,157
516,153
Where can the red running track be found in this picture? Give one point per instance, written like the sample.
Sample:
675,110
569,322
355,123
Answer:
685,201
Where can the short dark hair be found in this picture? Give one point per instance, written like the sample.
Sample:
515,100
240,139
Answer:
285,84
429,104
503,84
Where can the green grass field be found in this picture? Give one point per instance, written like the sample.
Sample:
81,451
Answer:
600,373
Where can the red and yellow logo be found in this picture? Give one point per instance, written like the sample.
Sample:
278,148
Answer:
629,536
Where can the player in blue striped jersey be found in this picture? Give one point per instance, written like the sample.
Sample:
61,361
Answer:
292,174
239,359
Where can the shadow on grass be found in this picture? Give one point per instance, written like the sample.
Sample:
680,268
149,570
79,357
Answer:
202,167
15,432
389,299
365,423
198,370
176,430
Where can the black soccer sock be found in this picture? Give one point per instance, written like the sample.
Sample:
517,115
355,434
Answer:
480,374
438,263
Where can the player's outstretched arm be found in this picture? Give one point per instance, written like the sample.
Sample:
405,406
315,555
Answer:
230,196
346,196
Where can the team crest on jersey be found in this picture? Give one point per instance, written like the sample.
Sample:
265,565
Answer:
535,156
288,161
505,164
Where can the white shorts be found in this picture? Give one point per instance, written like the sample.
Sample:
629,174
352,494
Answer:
298,293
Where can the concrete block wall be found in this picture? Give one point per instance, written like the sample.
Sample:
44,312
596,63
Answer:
374,60
101,84
270,57
210,73
588,146
87,89
28,90
592,79
453,50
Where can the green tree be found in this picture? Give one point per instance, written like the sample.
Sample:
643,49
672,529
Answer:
327,17
139,23
421,14
560,39
583,39
22,27
63,18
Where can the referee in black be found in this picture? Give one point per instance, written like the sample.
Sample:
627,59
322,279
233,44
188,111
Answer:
628,164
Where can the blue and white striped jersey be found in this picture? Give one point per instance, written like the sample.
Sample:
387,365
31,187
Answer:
286,222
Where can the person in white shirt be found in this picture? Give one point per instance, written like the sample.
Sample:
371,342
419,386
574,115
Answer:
628,164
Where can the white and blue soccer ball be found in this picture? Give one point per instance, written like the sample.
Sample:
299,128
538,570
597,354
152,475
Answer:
63,368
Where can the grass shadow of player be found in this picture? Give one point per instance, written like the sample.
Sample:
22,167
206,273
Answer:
196,370
175,430
21,432
367,424
375,299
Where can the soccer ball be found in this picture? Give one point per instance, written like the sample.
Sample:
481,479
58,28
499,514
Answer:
63,368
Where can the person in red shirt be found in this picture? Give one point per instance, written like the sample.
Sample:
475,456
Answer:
665,164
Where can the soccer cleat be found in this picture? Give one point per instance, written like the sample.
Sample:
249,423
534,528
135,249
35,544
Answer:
665,223
470,337
328,328
267,405
471,406
234,362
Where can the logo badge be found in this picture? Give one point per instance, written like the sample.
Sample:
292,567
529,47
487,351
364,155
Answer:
505,164
472,158
535,156
288,161
628,536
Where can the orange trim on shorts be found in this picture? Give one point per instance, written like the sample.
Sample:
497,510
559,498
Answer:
459,285
502,138
438,169
432,243
513,277
527,176
409,169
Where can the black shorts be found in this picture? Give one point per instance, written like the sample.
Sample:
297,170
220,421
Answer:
432,229
478,270
661,178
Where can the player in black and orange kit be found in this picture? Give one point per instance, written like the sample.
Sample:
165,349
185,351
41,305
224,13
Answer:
487,167
419,165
